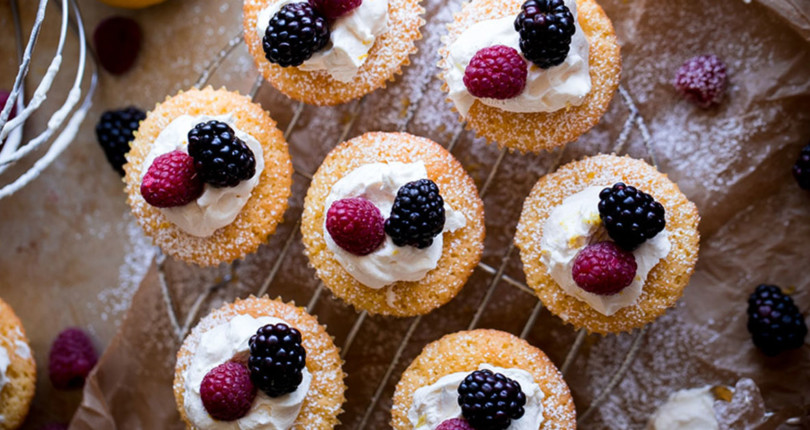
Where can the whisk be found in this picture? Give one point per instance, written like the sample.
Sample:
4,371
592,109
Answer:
63,124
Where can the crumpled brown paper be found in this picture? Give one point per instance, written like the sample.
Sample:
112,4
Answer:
733,161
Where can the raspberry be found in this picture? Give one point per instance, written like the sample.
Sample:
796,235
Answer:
801,170
114,132
221,158
417,215
71,360
455,424
774,321
4,95
295,33
227,391
171,181
277,359
546,28
118,41
490,401
333,9
604,268
497,72
356,225
702,80
631,216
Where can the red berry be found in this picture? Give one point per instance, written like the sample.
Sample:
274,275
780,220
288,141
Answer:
356,225
227,392
604,268
702,80
333,9
4,95
455,424
71,360
171,181
118,41
497,72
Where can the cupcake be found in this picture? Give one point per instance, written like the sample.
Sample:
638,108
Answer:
327,52
393,224
208,176
256,364
530,75
18,372
608,243
447,385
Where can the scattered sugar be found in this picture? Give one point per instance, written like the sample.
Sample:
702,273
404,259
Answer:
138,255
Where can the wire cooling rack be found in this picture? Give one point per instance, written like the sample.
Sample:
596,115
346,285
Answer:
634,121
59,130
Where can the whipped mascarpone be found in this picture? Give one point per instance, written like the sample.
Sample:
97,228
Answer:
686,410
216,207
21,348
350,41
438,402
547,90
5,362
379,183
221,344
571,227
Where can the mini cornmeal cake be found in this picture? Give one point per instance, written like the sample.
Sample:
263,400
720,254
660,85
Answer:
209,175
608,243
448,386
18,372
531,75
327,52
259,364
393,224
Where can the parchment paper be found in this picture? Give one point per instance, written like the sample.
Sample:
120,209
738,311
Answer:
733,161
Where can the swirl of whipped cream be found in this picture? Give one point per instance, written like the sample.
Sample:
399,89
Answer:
438,402
691,409
569,229
350,41
221,344
5,362
547,90
379,183
216,207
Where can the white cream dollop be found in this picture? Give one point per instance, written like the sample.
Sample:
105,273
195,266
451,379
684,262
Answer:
20,347
379,183
547,90
570,228
5,362
350,41
438,402
686,410
221,344
216,207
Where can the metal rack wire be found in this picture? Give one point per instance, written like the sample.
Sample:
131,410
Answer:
633,121
14,149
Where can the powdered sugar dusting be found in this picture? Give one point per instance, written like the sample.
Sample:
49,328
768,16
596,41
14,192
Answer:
139,252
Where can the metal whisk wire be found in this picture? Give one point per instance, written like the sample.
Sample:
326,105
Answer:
63,124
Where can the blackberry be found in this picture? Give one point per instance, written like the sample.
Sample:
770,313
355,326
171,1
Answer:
221,158
490,401
114,132
295,33
546,28
277,359
631,217
774,321
801,170
417,215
